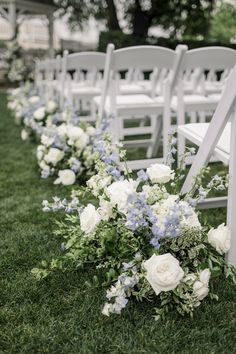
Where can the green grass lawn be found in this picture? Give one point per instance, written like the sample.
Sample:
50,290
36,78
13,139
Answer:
59,315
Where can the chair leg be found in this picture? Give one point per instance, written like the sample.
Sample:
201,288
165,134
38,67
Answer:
202,117
193,117
181,140
231,207
156,137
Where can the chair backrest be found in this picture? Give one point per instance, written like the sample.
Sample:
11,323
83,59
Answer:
41,67
78,67
54,68
219,120
218,58
86,62
163,63
208,64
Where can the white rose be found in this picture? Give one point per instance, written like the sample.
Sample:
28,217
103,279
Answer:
62,130
90,131
163,272
24,134
65,177
18,113
40,113
65,116
40,152
51,107
53,156
220,238
15,91
44,166
119,191
201,287
46,140
34,99
82,141
89,219
74,133
12,105
159,173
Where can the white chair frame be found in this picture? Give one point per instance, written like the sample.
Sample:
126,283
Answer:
141,58
225,109
78,88
198,60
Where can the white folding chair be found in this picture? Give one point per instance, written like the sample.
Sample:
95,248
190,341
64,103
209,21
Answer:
47,76
123,107
81,78
205,64
219,138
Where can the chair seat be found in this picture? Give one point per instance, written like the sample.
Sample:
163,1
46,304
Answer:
214,87
132,89
132,103
85,90
207,102
196,132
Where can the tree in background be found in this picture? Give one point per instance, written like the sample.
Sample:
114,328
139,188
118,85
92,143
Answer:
79,12
223,23
182,18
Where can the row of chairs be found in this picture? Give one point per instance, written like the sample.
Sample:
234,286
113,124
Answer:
181,86
151,86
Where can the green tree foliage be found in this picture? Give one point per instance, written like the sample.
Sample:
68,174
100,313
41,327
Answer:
223,23
79,12
182,18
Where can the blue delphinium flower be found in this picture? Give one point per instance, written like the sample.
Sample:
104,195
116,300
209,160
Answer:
142,176
76,165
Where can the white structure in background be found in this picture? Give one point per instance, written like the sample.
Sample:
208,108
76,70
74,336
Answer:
34,34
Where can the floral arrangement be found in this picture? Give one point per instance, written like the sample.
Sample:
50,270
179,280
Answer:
32,110
18,71
67,152
144,236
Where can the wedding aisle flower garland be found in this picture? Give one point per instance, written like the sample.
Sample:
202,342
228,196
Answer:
138,231
66,145
143,235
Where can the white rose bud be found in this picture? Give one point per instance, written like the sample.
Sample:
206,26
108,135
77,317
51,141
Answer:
46,140
34,99
89,219
53,156
62,130
65,177
90,131
159,173
220,238
163,272
82,141
201,287
51,107
40,152
74,133
24,134
40,113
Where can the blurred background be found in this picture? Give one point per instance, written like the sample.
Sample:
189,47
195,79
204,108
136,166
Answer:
31,29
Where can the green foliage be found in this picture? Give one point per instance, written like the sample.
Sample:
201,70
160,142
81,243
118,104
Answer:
106,248
179,17
121,40
223,23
